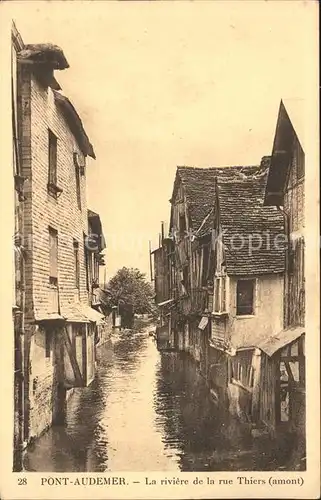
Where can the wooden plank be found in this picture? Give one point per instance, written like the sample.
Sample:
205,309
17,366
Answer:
256,391
277,391
288,369
84,354
72,358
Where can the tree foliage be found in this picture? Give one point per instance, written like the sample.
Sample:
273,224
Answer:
129,286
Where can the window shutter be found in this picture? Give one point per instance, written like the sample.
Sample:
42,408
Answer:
52,146
222,294
216,294
76,263
227,294
53,253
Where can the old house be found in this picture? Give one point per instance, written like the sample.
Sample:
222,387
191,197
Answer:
164,293
249,254
95,245
51,151
266,364
230,284
285,190
191,226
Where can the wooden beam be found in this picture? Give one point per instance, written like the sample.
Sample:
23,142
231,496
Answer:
84,353
257,384
72,358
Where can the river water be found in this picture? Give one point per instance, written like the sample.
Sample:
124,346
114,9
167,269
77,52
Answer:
144,411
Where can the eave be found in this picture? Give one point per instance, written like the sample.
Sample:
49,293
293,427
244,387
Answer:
75,124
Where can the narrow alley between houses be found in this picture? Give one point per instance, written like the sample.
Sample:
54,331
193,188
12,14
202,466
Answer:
145,410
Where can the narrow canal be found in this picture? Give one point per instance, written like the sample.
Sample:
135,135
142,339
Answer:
144,411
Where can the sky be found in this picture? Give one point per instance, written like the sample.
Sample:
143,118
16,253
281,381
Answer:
162,84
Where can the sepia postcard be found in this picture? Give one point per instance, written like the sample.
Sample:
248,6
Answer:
160,256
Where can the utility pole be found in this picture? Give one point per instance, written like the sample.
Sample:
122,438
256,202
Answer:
162,231
150,261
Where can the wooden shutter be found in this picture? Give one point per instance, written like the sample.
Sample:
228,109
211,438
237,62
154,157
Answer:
52,151
53,253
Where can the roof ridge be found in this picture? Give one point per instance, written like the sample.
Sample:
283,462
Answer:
221,167
248,180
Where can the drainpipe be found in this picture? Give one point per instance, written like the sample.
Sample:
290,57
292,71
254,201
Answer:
19,264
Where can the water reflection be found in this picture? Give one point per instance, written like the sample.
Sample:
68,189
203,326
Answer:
144,411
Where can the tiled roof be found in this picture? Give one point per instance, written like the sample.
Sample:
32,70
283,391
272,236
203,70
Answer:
199,187
295,109
253,234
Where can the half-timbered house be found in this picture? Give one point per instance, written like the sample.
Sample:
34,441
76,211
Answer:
191,227
249,252
163,278
285,189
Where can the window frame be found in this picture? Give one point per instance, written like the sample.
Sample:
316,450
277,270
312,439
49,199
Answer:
254,298
52,186
221,295
52,157
53,266
76,265
77,169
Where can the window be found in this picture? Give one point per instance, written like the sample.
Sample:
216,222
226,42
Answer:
53,256
221,295
52,186
245,297
76,264
52,158
78,191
